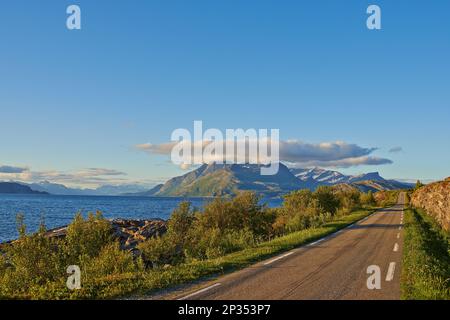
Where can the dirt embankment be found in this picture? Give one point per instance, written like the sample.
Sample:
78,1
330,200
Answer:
435,199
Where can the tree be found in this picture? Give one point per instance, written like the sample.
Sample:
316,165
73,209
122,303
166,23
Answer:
181,221
368,199
419,185
328,201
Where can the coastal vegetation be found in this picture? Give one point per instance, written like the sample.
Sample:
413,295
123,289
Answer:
224,235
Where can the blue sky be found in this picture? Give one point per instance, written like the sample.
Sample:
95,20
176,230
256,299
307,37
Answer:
71,100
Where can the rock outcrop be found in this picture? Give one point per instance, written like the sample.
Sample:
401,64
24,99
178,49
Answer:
132,232
435,199
129,233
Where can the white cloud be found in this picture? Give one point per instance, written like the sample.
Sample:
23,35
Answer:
95,172
89,177
12,170
338,154
163,148
301,152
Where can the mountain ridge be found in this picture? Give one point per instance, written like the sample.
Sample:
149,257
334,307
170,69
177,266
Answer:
106,190
221,180
214,179
17,188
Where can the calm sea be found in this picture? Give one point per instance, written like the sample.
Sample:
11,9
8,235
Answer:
60,210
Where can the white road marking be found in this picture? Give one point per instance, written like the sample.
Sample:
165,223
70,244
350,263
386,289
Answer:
396,247
350,226
400,228
398,235
390,273
200,291
279,258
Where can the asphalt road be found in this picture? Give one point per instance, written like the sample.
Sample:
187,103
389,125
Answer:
334,268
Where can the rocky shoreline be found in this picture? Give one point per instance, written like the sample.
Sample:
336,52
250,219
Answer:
129,233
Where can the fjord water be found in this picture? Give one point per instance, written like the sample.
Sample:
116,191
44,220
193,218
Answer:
60,210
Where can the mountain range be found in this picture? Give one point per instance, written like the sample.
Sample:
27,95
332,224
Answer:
330,178
60,189
17,188
222,179
227,179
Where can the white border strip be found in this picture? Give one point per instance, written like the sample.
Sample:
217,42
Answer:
279,258
396,247
200,291
391,271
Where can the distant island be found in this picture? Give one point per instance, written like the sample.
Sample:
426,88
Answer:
17,188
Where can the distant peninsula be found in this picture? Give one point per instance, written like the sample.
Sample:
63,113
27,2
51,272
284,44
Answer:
17,188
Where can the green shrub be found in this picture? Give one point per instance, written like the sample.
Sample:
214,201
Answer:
296,212
180,223
236,240
32,261
35,264
299,201
160,251
304,209
368,199
3,264
387,198
213,242
224,225
86,237
297,222
328,202
349,201
169,249
418,185
241,212
110,261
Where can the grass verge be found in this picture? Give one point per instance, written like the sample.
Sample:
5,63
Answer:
426,258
